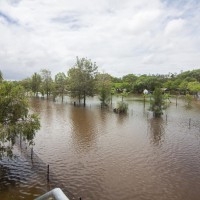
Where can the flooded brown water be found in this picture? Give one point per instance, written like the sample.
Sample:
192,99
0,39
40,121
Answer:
97,154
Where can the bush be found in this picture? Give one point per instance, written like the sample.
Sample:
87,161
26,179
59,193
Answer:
157,103
188,99
122,107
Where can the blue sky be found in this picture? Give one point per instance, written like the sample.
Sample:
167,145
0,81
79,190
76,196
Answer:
122,37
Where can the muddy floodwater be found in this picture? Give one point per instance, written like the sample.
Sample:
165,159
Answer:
97,154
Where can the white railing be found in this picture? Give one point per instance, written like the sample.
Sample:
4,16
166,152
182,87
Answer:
56,194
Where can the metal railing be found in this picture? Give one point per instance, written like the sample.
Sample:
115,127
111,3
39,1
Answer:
55,194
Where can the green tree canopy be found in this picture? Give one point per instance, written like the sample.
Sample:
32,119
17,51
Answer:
60,84
157,102
47,82
26,83
195,74
81,79
36,81
183,86
129,78
104,86
147,82
14,117
194,86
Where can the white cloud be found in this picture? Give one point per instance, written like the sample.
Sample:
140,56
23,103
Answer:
175,27
122,37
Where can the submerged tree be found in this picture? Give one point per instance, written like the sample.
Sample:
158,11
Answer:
47,81
188,99
104,86
157,103
36,81
81,79
60,84
14,117
122,107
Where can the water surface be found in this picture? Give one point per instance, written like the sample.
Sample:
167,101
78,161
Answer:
97,154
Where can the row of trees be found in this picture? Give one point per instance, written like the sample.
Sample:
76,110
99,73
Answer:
83,79
185,82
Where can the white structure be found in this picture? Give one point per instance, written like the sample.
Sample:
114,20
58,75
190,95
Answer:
145,91
198,95
56,194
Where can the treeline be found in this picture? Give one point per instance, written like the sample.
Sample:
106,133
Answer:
83,79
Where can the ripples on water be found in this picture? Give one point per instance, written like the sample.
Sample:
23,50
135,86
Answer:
96,154
18,179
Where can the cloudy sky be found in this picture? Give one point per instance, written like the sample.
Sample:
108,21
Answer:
122,37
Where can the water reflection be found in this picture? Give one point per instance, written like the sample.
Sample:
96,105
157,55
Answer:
121,118
36,104
84,127
5,180
103,116
157,130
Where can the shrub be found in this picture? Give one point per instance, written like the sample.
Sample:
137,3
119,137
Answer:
157,103
122,107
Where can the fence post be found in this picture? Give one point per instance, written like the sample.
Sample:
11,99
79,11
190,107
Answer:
48,173
31,153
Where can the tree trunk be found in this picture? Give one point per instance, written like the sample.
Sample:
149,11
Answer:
79,99
62,97
84,99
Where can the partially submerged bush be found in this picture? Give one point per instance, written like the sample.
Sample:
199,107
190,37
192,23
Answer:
157,104
188,99
122,107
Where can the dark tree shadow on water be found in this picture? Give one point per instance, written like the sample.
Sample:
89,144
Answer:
157,131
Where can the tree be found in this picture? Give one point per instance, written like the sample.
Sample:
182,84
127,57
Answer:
157,102
188,99
74,85
14,117
1,76
173,85
26,84
36,81
60,84
104,86
46,82
116,79
129,81
129,78
194,74
194,87
122,107
147,82
81,79
124,94
183,86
